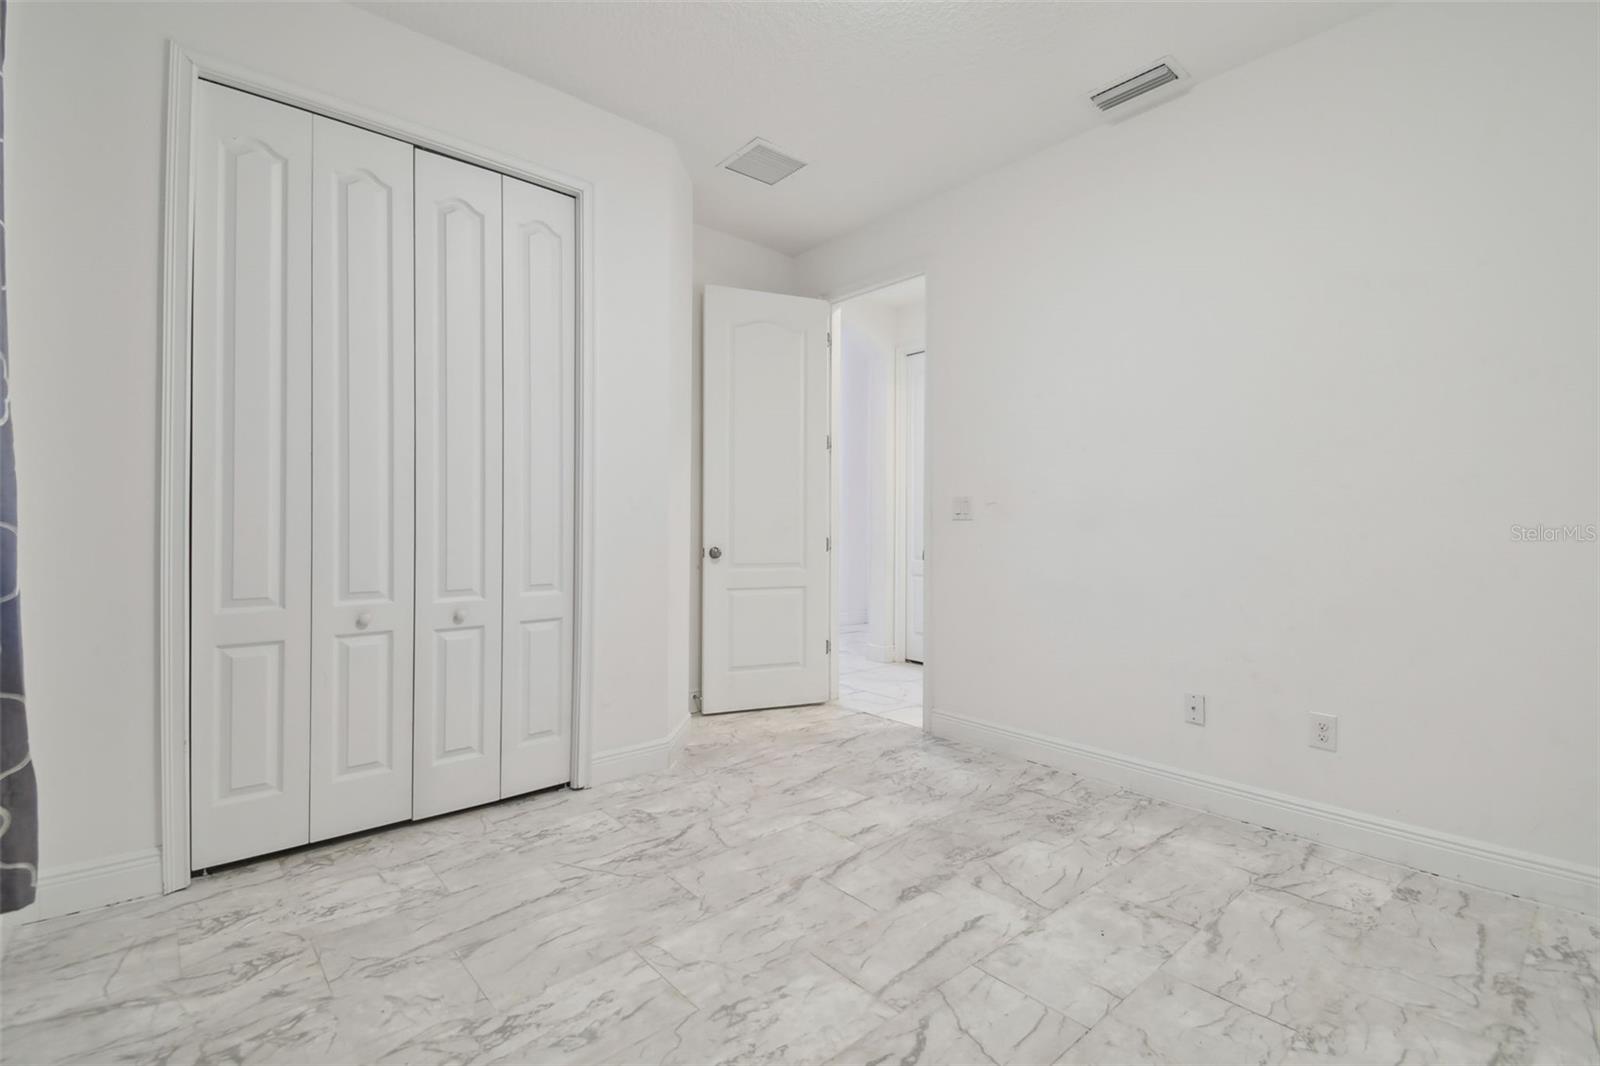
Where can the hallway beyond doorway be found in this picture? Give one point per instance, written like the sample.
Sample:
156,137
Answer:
888,690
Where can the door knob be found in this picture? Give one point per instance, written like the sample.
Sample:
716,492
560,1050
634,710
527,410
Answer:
363,620
715,553
459,617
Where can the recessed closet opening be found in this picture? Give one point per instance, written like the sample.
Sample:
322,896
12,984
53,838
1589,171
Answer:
381,483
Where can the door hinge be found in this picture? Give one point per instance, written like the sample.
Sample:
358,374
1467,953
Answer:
827,646
830,338
830,442
827,543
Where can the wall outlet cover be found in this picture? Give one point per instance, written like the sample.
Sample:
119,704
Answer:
1194,710
961,509
1325,732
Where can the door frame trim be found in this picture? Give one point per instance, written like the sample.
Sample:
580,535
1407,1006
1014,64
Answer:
900,510
185,70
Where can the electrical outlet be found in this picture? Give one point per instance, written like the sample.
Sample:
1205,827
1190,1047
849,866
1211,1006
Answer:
1325,732
961,509
1194,710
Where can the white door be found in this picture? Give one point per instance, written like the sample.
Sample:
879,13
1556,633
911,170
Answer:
458,592
250,590
362,474
540,312
765,577
914,386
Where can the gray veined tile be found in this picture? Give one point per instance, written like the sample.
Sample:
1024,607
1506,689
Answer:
1331,882
149,1028
910,715
737,873
232,928
651,854
794,1013
1272,954
1128,822
1556,1006
1165,1020
779,810
1353,989
904,953
907,865
1448,944
875,819
1175,878
1064,785
971,1018
298,1031
358,951
446,1043
706,958
42,983
459,922
593,1017
515,847
1085,957
1035,873
521,962
890,674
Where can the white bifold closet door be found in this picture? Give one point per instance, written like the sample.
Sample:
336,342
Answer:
362,472
540,395
250,617
382,532
459,367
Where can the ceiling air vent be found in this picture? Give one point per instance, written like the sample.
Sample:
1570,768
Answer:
1166,76
762,161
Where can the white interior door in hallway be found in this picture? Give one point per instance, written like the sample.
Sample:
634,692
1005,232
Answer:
914,369
382,501
765,573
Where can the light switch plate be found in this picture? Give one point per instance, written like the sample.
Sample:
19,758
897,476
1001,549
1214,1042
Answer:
961,509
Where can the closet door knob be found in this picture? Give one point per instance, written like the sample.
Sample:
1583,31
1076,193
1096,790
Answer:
363,620
459,617
715,553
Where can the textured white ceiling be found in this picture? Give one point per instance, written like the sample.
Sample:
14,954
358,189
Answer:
888,102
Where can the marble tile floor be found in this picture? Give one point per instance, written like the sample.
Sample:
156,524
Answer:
812,886
888,690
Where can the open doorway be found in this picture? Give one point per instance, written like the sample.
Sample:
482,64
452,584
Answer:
880,555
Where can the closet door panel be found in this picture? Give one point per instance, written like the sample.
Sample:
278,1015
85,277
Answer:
540,322
459,367
362,434
251,479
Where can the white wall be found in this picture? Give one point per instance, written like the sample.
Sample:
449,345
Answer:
720,259
85,125
1249,391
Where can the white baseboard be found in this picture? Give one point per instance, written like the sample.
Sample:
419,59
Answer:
85,886
1477,862
647,758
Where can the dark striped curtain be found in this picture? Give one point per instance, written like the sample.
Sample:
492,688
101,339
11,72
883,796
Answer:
19,797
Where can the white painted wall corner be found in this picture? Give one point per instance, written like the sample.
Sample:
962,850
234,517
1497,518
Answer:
648,758
85,886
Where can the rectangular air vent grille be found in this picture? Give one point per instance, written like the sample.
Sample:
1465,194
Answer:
762,161
1134,87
